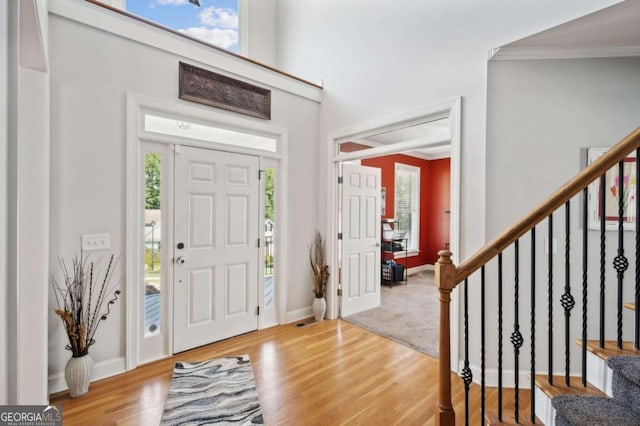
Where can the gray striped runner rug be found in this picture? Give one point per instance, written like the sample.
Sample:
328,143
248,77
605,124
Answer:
220,391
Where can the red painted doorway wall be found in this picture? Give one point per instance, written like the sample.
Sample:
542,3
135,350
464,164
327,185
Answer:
434,201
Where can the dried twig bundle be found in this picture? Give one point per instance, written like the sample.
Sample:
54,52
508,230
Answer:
78,307
320,270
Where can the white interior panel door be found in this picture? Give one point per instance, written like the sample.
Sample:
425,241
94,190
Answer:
216,253
360,238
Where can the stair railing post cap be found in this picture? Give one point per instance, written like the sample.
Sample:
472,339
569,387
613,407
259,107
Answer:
445,256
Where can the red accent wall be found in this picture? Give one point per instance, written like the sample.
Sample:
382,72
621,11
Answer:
439,204
434,201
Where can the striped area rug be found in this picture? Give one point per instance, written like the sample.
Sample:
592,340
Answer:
219,391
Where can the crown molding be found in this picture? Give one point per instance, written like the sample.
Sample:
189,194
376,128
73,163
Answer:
517,53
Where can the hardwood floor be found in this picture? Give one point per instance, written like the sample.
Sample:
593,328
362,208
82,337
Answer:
330,373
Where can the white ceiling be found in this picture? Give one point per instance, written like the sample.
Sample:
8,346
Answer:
610,32
425,132
613,31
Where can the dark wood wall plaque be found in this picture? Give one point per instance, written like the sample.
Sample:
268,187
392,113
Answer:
209,88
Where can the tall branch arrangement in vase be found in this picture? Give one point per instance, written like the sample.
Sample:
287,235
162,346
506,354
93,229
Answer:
320,270
81,299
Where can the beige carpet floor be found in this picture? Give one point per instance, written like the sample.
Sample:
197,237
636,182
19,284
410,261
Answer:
408,314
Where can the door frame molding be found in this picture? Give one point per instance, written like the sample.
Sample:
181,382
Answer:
451,108
136,107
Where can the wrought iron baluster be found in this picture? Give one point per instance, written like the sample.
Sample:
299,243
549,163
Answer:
585,217
603,216
467,376
533,324
567,300
516,336
500,337
637,298
482,345
550,298
620,262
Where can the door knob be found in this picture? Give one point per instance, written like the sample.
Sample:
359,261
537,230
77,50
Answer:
180,260
377,244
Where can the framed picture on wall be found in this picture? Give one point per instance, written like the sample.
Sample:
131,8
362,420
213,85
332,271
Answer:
614,186
383,201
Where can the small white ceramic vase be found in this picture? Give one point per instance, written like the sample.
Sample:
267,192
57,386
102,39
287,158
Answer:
319,307
77,373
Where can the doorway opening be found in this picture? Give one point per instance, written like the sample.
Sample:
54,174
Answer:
176,155
399,135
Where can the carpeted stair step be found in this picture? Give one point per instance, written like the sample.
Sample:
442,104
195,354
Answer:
598,372
572,410
631,306
508,418
626,381
545,392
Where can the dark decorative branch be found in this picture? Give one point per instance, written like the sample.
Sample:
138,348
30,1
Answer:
76,306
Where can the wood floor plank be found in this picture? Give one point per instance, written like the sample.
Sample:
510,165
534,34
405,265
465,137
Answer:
508,418
328,373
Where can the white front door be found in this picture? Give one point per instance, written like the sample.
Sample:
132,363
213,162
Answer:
360,238
216,252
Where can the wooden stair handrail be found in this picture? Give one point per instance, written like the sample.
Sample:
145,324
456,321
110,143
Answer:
448,276
599,167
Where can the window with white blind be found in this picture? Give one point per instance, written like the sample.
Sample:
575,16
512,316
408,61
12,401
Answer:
407,203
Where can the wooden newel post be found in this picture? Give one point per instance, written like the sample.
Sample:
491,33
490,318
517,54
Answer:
446,281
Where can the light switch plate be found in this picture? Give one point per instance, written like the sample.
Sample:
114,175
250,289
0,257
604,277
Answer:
95,242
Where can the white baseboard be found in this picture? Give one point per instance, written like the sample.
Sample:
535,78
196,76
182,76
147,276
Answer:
101,370
418,269
298,314
491,377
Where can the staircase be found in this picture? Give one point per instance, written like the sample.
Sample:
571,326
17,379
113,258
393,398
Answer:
622,409
594,380
577,403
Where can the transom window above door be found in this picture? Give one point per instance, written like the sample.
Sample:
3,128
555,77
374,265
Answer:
186,129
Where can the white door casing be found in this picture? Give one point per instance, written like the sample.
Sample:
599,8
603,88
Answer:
360,238
216,271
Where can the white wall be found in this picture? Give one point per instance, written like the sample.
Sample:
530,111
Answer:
375,61
4,110
543,115
546,112
261,45
91,72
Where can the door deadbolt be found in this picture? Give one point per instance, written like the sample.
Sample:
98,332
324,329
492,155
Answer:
180,246
180,260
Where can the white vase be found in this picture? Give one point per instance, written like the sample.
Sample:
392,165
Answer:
319,307
77,373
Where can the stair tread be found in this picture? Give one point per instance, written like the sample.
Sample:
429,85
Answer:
560,388
631,306
610,348
508,418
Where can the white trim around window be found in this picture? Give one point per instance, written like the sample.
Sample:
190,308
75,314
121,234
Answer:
407,207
